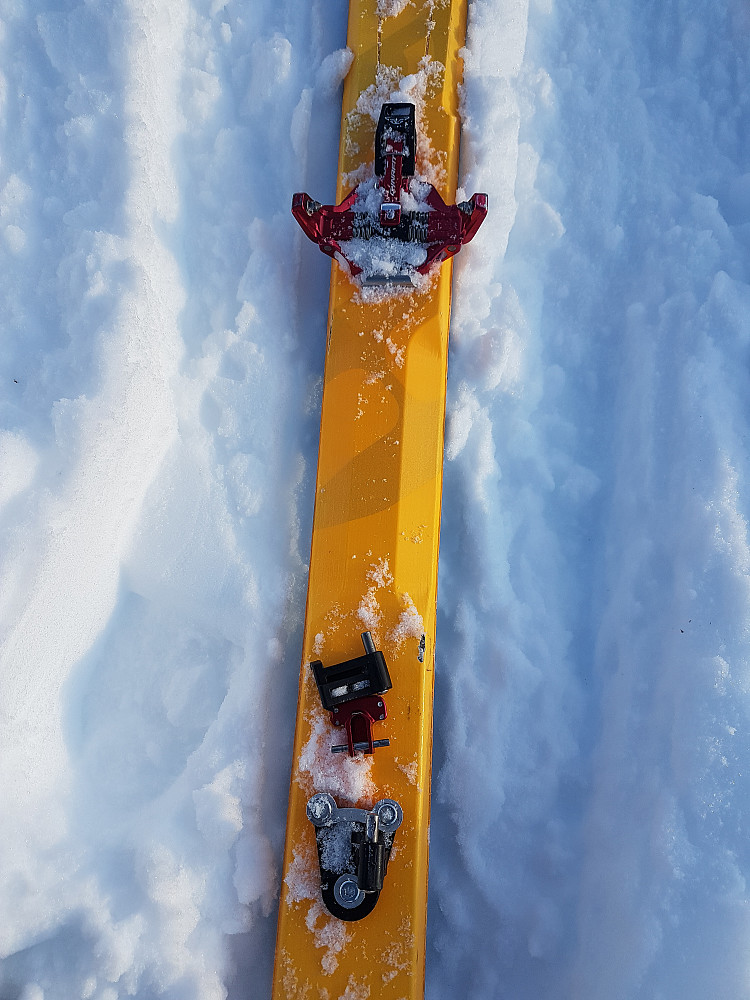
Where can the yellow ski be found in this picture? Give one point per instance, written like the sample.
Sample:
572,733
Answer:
354,890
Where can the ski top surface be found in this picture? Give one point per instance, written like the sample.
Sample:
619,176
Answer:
374,553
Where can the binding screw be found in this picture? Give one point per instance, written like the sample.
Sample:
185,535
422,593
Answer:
347,893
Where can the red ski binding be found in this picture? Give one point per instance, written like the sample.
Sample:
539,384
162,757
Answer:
411,231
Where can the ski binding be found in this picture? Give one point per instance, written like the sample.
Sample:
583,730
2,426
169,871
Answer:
393,227
354,847
353,693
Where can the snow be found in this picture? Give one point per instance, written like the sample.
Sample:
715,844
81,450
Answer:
383,257
161,361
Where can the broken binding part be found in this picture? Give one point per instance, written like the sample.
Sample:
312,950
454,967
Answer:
420,229
352,692
354,847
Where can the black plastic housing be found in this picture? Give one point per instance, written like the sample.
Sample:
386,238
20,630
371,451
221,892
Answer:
400,120
357,678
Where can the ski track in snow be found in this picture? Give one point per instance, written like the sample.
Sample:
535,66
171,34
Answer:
161,365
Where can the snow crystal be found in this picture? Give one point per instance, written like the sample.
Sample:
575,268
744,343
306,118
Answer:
410,769
348,779
381,257
330,935
336,847
410,624
380,572
369,613
303,876
391,8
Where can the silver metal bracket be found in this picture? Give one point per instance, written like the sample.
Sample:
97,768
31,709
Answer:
354,846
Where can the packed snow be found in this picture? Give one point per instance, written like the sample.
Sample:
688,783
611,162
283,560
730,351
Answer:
163,336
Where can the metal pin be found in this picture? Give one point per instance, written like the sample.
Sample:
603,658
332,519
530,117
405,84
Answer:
371,827
361,746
